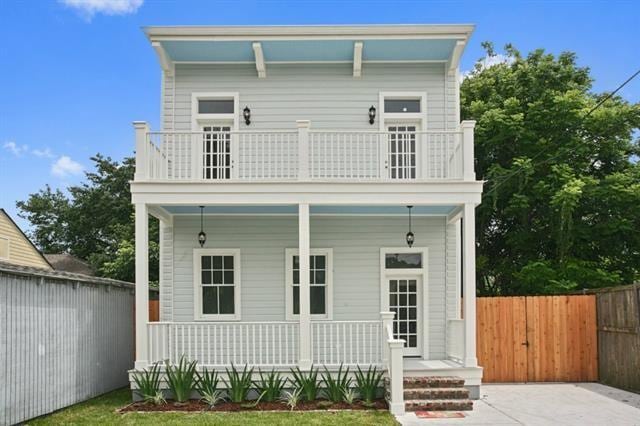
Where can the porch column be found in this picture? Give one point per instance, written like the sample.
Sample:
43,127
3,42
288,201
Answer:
142,284
305,309
469,277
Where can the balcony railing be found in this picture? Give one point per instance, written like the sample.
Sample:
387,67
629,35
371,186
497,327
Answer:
304,155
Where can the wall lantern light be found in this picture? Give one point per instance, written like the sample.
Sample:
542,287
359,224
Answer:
202,237
246,113
372,114
410,237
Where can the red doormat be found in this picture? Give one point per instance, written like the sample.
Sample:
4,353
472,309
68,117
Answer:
439,415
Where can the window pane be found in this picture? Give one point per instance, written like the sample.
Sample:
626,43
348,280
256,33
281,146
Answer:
217,262
217,277
206,277
318,300
209,300
206,262
226,299
228,262
296,300
402,105
296,277
320,262
403,260
320,277
296,262
228,277
215,106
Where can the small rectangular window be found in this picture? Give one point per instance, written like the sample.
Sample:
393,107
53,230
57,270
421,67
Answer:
317,281
218,284
401,105
4,248
215,106
403,260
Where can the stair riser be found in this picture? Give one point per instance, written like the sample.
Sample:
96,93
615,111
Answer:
439,406
423,383
458,393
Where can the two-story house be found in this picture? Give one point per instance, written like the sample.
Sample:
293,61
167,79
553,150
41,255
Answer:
316,192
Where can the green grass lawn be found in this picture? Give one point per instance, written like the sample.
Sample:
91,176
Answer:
102,410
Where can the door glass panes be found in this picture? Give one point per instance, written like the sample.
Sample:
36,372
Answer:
402,105
216,147
317,281
218,285
402,152
403,301
403,260
215,106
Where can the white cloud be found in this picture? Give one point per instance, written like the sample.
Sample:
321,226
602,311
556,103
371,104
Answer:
43,153
487,62
89,8
15,149
65,166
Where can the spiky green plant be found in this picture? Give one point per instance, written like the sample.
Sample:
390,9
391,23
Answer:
368,383
349,396
148,384
292,398
239,384
271,385
207,387
336,387
181,378
306,383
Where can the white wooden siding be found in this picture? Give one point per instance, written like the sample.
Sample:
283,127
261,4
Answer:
356,243
166,271
326,94
453,283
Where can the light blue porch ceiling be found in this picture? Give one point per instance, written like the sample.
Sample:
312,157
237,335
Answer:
293,210
309,50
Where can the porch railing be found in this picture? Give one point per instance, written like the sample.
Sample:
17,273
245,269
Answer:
304,155
346,342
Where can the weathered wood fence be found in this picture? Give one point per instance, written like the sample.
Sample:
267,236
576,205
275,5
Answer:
619,336
64,338
537,338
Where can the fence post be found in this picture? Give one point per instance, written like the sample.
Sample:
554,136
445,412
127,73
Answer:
387,319
303,149
468,171
141,129
396,391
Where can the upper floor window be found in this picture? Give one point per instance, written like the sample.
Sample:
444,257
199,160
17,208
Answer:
402,105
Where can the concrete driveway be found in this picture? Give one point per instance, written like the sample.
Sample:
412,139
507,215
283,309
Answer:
546,404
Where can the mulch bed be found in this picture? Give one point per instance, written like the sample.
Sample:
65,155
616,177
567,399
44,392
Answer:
194,405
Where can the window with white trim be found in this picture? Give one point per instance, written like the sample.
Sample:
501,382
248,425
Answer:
4,248
320,283
217,284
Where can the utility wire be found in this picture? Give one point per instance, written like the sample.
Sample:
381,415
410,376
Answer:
598,105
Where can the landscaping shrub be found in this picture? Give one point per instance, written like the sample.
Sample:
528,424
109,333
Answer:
148,383
368,383
270,386
336,388
207,386
181,378
239,384
307,384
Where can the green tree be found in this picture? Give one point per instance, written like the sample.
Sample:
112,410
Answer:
94,222
561,203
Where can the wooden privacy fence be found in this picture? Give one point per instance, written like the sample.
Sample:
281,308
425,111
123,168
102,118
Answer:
537,338
619,336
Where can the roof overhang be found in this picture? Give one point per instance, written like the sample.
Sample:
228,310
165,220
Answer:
265,45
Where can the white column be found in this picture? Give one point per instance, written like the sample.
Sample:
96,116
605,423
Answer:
469,276
396,375
142,284
303,149
141,129
387,321
468,169
305,309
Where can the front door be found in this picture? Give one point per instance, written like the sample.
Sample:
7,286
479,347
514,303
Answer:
404,301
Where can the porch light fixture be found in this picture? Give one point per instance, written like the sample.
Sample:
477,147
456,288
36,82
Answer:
246,113
410,237
372,114
202,237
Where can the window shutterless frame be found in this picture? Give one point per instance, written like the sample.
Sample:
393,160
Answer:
198,314
289,254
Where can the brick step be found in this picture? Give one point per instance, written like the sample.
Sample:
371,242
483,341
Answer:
436,393
432,382
438,405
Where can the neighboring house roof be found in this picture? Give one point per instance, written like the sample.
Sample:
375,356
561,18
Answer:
69,263
16,248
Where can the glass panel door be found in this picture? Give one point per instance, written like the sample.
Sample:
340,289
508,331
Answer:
403,301
216,147
402,151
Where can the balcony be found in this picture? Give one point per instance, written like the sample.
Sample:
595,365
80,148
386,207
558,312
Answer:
304,155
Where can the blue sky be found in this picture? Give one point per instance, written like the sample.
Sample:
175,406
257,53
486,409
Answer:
73,79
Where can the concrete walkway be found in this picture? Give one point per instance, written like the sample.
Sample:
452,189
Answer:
546,404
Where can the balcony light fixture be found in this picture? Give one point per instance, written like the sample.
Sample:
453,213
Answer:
372,114
246,113
410,237
202,237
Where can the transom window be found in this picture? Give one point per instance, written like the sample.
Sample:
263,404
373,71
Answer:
217,283
403,260
216,106
320,282
402,105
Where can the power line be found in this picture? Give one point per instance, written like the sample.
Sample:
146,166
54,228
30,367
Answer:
598,105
